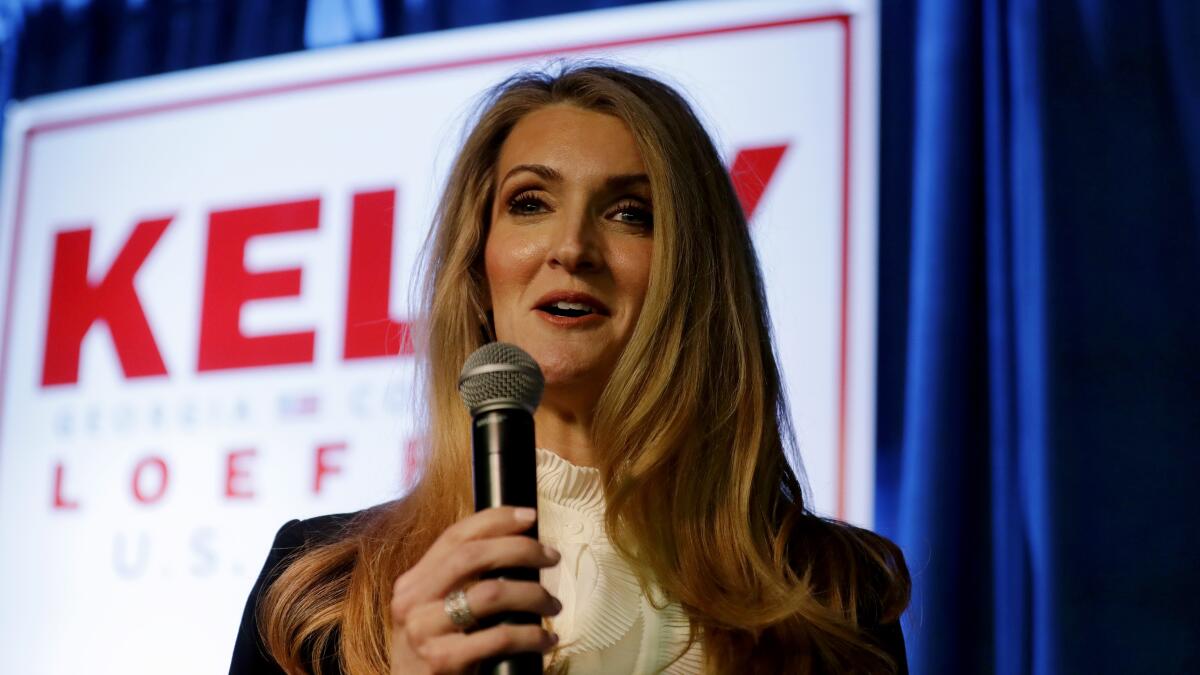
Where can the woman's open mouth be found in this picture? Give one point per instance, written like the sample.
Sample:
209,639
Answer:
569,308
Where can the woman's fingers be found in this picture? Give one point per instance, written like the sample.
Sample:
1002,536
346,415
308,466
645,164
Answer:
485,599
453,652
482,541
488,540
438,575
493,522
473,558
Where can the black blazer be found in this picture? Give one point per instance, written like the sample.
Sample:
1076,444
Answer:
250,656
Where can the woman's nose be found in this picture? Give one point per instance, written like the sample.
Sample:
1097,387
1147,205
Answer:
574,247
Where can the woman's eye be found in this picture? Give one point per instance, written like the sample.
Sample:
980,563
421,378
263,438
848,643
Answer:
633,213
526,204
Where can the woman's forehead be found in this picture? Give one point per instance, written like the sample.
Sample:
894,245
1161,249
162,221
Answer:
572,142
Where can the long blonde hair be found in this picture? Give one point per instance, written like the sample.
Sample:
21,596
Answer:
691,428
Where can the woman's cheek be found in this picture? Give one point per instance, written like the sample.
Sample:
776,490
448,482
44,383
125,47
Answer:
510,263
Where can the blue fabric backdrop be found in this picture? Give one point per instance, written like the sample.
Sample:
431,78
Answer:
1039,364
1040,332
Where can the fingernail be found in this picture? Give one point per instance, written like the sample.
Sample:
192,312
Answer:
554,638
525,514
557,605
550,553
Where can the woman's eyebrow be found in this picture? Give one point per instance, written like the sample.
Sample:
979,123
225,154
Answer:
541,170
626,180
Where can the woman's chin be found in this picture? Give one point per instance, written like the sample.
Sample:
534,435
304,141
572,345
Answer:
567,371
567,378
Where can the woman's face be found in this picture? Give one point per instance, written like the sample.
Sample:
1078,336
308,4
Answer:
567,257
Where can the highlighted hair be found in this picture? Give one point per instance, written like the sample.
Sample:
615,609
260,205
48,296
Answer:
692,429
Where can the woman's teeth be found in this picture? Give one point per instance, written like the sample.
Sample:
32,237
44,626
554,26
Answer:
571,309
573,305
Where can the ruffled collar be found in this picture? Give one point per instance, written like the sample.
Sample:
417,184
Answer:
606,621
564,483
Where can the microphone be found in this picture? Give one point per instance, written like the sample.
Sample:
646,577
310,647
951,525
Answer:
502,386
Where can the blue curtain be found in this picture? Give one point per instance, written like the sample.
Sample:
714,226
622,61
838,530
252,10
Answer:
1039,426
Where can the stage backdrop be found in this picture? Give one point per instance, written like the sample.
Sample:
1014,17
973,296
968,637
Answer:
206,282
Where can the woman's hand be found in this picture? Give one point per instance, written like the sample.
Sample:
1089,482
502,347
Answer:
425,640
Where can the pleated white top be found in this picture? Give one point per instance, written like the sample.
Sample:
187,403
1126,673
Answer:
607,625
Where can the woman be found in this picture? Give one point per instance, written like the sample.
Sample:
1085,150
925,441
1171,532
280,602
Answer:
588,220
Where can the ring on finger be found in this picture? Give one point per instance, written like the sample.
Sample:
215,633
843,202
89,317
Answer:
458,609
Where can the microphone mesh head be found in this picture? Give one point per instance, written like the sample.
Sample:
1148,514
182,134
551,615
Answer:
499,372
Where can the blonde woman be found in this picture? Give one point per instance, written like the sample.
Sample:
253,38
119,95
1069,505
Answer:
588,220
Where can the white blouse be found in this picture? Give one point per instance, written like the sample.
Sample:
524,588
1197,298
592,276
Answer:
606,625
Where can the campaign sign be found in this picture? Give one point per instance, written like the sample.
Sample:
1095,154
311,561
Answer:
206,297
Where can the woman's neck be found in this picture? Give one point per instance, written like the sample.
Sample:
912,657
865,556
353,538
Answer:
564,431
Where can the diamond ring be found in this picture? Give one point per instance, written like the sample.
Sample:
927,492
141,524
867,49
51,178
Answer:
458,609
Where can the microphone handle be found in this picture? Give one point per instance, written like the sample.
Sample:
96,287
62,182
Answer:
505,468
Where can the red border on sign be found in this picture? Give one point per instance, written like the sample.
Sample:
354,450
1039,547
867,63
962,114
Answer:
844,20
